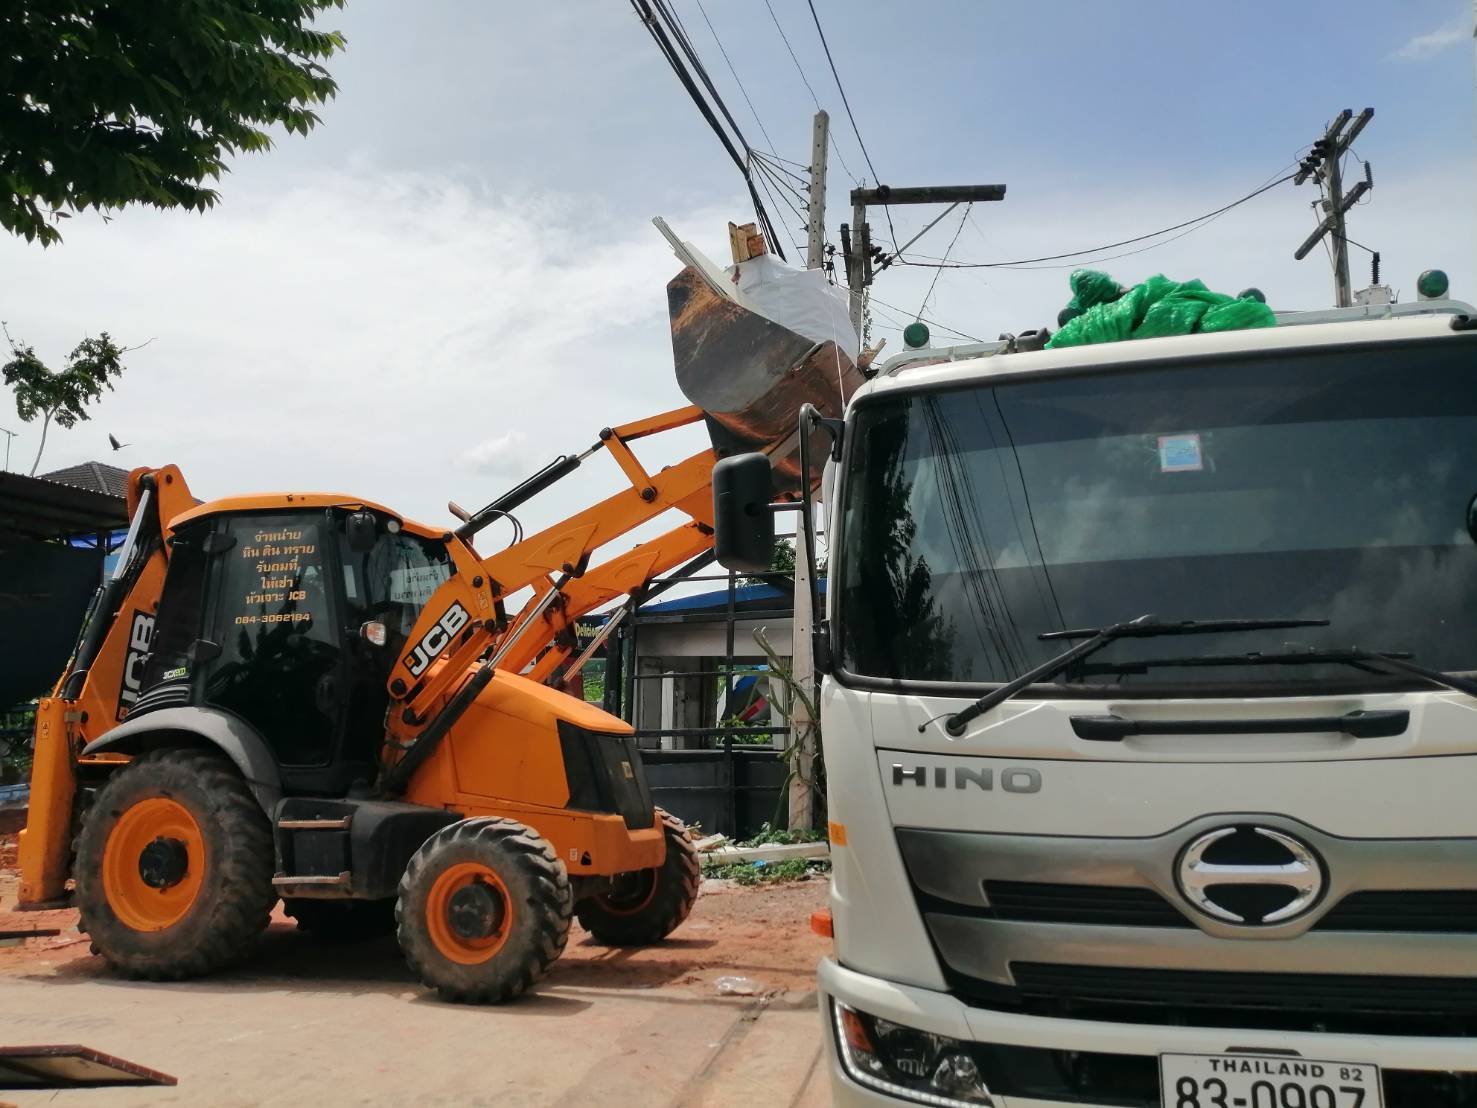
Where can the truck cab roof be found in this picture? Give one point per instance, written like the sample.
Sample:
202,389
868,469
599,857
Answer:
957,365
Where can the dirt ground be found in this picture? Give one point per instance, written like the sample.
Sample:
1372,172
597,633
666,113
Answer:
648,1026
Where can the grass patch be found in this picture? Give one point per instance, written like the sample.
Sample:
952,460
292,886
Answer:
767,873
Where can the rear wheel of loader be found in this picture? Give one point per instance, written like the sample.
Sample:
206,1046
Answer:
174,866
484,910
341,921
646,906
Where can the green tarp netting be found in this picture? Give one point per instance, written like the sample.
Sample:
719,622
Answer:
1102,311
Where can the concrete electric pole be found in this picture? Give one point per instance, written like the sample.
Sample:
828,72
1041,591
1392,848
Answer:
815,239
1322,164
802,645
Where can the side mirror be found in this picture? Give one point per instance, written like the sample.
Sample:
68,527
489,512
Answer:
362,530
743,521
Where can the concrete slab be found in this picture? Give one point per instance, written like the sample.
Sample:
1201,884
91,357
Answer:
306,1023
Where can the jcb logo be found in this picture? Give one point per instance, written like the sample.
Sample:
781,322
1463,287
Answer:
434,641
140,635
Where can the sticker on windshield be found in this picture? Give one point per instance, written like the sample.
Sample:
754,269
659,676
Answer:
1180,453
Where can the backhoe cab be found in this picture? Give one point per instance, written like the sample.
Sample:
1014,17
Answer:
310,697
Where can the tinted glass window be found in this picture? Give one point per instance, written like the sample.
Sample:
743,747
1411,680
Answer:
1330,485
179,619
392,582
280,648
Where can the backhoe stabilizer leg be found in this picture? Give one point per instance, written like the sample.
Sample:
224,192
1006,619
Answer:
45,843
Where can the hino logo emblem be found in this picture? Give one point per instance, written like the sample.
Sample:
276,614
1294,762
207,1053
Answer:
1241,871
1013,779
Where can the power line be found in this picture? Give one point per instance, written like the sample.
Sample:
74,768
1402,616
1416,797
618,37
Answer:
841,89
1189,223
934,283
767,168
764,184
684,71
923,319
767,174
847,105
800,69
745,92
783,165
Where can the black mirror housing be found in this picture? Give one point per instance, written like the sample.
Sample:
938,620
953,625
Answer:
743,520
361,529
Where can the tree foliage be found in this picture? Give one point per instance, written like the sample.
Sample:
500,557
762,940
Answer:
104,103
61,396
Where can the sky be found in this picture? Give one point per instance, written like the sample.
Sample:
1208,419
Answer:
455,278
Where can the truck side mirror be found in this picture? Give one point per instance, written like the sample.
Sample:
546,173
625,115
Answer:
361,529
743,520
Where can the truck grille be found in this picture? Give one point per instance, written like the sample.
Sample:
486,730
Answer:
1447,911
1454,997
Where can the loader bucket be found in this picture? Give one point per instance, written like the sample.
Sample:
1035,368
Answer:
750,375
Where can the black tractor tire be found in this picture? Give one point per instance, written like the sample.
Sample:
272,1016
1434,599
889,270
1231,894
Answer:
341,921
646,906
199,892
484,910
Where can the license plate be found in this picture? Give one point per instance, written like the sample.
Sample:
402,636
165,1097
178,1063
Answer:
1266,1081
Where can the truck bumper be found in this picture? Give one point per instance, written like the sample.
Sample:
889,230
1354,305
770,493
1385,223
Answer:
1401,1058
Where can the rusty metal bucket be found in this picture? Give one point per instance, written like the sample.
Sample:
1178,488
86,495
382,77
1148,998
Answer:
750,375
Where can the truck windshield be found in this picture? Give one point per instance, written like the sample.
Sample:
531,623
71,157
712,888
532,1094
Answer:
1333,484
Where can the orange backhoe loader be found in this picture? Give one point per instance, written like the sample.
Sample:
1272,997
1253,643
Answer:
307,696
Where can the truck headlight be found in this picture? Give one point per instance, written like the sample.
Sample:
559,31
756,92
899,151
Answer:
908,1063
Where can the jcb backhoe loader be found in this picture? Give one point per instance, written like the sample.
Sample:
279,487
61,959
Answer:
308,696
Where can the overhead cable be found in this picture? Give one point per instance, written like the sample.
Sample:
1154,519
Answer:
664,27
847,105
800,69
1189,223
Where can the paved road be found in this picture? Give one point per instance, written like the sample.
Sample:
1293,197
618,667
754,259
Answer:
306,1025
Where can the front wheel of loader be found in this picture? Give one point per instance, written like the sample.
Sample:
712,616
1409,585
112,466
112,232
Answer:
174,866
646,906
484,910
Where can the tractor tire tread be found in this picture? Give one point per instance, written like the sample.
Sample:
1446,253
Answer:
242,910
551,898
680,876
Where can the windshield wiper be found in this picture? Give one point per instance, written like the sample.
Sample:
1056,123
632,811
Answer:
1146,626
1397,660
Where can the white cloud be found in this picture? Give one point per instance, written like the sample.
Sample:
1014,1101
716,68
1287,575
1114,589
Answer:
505,454
1433,42
400,337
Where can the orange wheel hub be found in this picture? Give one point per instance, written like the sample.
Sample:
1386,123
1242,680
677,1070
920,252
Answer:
632,893
153,864
469,913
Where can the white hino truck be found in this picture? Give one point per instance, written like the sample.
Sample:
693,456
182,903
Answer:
1150,718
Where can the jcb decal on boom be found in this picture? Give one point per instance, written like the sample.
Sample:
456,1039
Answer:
434,641
140,635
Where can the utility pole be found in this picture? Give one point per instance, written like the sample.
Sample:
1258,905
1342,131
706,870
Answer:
802,644
856,239
1322,164
8,436
815,242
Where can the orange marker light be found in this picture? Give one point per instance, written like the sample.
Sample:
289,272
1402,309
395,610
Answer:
837,832
856,1032
820,923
